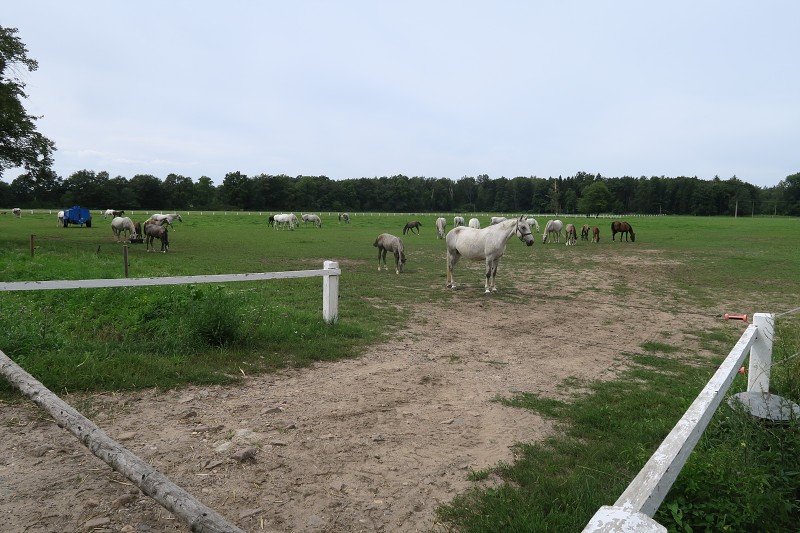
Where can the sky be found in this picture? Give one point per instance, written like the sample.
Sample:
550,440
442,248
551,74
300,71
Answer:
440,89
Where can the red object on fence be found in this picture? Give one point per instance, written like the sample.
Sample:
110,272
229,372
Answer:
742,371
743,318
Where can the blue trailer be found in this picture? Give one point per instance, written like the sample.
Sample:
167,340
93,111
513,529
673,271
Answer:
77,215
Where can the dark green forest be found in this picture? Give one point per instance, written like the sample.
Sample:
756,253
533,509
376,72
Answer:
582,193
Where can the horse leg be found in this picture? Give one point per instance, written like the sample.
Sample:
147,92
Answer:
452,259
489,276
397,262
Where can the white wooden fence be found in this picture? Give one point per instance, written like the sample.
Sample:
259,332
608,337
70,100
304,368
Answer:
330,273
633,511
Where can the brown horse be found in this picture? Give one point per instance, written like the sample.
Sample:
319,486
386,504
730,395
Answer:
571,237
595,234
585,232
410,226
624,228
152,231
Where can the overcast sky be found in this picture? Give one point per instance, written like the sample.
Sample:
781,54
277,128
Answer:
351,89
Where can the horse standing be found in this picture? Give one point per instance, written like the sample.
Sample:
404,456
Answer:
108,213
474,223
488,243
552,229
120,225
533,224
441,224
387,242
271,220
585,232
411,226
595,234
345,217
153,231
572,237
458,221
624,228
60,219
17,212
497,220
285,220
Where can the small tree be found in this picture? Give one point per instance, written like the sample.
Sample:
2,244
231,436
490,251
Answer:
595,199
20,144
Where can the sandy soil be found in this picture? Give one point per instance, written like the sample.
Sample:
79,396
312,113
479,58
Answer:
372,444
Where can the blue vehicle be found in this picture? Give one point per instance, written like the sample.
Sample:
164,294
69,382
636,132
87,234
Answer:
77,215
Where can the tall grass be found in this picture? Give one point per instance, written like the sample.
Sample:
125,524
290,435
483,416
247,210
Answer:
127,338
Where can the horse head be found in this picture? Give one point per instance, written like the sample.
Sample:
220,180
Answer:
523,231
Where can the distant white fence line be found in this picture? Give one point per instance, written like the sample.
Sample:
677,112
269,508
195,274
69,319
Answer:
330,284
633,511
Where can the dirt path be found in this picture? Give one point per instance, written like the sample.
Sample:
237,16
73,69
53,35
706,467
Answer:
372,444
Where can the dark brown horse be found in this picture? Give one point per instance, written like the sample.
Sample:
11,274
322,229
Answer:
410,226
624,228
585,232
595,234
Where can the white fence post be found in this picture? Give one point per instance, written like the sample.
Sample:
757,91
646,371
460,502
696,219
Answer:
330,292
761,354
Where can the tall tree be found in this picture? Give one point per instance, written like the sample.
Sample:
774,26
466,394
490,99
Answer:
20,144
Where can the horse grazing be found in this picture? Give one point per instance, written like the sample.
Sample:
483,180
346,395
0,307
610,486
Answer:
17,212
389,243
441,224
533,224
572,237
345,217
595,234
285,220
108,213
497,220
458,221
585,232
552,229
271,221
153,231
314,219
168,218
118,213
624,228
411,226
488,243
120,225
60,219
474,223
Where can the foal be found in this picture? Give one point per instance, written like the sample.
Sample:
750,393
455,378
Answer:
387,242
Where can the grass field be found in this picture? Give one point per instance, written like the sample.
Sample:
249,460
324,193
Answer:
126,338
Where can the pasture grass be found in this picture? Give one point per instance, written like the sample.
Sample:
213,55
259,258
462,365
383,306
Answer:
129,338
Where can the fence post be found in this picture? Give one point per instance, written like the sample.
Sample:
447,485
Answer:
330,293
761,354
125,259
33,245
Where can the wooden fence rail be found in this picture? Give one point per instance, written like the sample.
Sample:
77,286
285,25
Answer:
633,511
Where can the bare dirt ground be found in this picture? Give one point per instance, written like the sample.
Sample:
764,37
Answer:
370,444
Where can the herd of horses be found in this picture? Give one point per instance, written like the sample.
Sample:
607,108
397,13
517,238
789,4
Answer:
155,227
465,240
489,244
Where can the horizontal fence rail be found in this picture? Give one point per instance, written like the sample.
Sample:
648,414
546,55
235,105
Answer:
330,283
633,511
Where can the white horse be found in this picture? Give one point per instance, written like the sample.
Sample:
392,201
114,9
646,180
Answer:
441,224
314,219
572,236
497,220
488,243
60,219
458,221
108,213
120,225
553,227
474,223
17,212
345,217
285,220
533,223
387,242
168,218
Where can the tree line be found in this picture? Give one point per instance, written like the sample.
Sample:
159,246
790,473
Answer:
582,193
